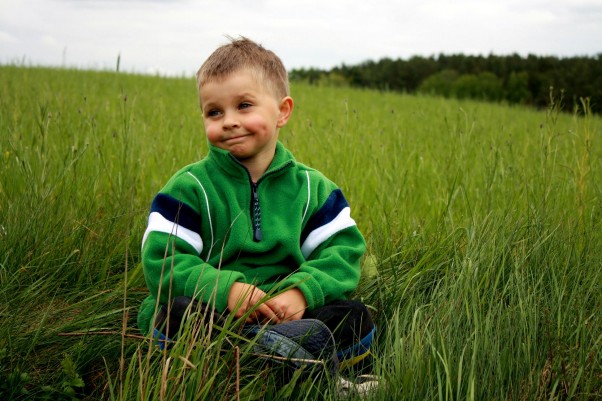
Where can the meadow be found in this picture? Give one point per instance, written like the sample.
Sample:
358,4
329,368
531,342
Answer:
483,223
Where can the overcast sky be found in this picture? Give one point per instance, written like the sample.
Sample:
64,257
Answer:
173,37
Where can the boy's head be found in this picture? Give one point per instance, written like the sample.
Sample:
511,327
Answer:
243,92
244,54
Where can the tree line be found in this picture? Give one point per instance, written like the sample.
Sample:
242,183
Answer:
514,79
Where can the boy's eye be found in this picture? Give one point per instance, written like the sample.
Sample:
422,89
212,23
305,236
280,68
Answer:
244,105
212,113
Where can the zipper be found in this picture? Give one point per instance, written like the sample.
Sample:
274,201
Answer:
255,206
255,212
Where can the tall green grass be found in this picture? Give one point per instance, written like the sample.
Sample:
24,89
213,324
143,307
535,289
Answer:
483,224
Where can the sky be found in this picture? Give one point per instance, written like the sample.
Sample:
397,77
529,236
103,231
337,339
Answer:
173,37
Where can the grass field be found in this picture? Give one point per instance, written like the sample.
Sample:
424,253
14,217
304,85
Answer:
483,222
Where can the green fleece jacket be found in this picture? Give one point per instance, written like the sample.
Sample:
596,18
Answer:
211,226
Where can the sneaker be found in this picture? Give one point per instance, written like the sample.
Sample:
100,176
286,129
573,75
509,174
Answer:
357,352
362,386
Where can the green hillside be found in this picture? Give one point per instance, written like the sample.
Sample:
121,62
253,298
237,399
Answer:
483,222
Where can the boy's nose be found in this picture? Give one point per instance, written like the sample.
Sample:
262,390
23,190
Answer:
230,121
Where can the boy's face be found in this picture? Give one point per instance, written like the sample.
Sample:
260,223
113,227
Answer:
243,117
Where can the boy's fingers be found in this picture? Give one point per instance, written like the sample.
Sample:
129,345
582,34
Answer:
274,305
268,313
251,318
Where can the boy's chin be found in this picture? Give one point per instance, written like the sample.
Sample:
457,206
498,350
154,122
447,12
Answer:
246,155
241,156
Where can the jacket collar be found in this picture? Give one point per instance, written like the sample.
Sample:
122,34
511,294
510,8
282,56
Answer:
228,163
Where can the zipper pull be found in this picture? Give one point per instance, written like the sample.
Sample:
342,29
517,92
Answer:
256,210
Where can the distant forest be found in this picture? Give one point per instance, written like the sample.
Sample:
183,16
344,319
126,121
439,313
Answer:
532,80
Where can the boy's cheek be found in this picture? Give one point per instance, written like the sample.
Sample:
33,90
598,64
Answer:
212,135
257,124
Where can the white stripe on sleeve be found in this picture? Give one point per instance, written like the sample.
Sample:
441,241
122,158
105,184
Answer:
321,234
156,222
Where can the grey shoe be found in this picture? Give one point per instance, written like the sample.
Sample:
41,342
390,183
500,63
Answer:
363,386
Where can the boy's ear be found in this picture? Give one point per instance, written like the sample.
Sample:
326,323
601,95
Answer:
286,109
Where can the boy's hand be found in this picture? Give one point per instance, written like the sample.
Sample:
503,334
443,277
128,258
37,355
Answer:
243,297
290,305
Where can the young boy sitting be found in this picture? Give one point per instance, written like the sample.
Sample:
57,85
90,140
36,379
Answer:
249,220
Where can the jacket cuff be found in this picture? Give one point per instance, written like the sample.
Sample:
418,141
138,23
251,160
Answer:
308,285
213,289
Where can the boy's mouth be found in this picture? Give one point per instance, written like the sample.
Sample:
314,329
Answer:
235,138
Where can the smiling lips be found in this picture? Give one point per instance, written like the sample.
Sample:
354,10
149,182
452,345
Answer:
235,138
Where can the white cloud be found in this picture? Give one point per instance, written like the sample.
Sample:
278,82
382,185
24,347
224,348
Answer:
175,36
7,38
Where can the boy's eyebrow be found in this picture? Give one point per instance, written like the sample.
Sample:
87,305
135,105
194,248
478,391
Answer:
203,104
238,97
246,94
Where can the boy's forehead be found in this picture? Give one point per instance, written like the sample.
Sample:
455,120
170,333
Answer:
250,72
255,76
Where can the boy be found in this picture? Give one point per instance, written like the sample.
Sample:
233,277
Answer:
249,220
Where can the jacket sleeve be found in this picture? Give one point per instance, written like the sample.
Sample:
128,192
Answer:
172,248
332,246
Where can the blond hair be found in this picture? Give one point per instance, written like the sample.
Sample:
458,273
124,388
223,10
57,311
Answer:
243,54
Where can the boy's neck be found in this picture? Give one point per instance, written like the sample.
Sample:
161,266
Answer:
257,166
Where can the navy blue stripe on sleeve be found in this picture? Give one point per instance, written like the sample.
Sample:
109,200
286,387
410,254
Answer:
327,213
177,212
